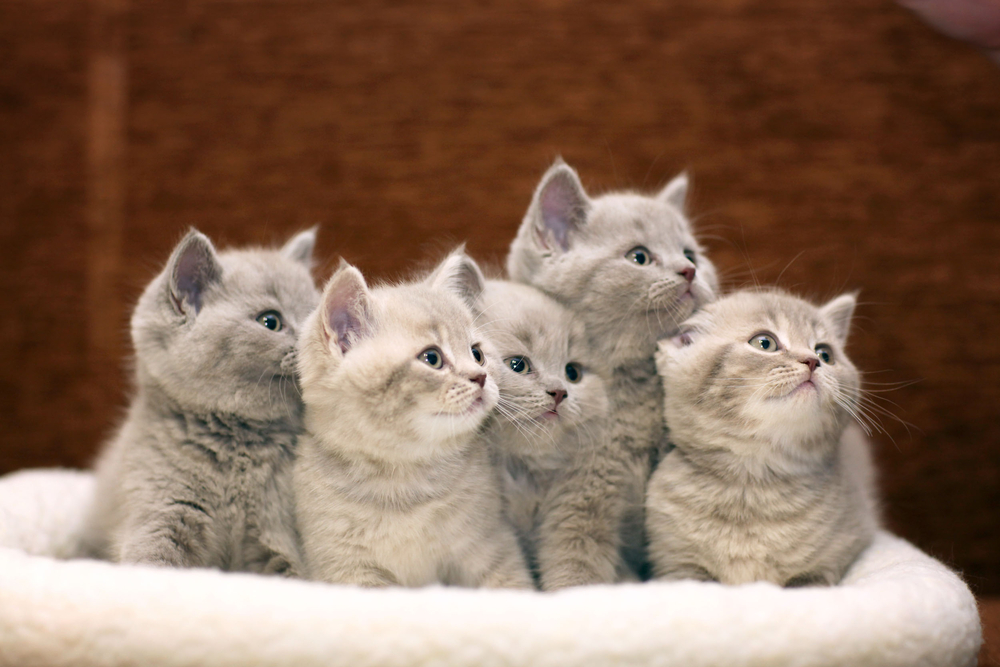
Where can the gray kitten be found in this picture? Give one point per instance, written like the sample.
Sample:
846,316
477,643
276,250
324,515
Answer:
200,473
629,267
392,485
550,417
766,482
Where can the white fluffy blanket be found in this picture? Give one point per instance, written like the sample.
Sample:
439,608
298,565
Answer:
897,606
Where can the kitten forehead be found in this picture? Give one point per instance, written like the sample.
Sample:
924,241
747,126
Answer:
616,216
770,309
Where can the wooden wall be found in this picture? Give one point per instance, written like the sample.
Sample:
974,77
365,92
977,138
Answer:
833,145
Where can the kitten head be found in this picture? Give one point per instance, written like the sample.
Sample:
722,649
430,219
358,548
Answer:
626,263
546,381
760,366
398,372
216,332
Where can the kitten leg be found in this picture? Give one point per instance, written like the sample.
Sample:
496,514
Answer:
277,540
175,535
676,571
578,540
508,567
367,574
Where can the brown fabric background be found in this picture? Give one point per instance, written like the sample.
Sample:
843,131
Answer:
833,145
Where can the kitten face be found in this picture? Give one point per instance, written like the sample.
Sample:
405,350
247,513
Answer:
403,365
761,365
628,264
545,380
217,331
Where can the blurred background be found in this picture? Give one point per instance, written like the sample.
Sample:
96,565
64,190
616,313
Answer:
833,146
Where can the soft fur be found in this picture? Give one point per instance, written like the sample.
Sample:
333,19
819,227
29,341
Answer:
764,482
392,485
200,473
550,418
580,251
897,607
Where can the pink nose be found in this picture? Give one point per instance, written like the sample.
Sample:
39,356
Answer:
479,379
559,395
811,362
688,274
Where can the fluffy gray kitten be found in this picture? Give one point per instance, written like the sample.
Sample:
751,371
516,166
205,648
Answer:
630,268
550,417
200,473
392,485
765,482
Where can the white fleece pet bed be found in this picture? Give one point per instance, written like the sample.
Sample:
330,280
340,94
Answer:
897,606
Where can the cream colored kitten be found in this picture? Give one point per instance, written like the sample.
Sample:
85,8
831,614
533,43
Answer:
392,486
550,418
766,480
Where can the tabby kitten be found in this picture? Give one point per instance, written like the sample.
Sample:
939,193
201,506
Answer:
765,481
551,415
393,487
200,473
629,267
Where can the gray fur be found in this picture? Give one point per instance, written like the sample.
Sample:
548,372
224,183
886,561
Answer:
200,473
576,249
392,485
538,441
768,480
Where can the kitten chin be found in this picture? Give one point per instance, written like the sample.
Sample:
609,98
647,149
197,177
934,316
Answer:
392,486
767,480
629,267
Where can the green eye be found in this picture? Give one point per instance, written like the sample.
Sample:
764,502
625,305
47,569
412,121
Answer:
432,357
574,372
640,255
477,354
519,364
825,353
764,341
270,319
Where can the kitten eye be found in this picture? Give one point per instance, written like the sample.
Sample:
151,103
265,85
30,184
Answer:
764,341
640,255
825,353
477,354
270,319
574,372
432,357
690,256
519,364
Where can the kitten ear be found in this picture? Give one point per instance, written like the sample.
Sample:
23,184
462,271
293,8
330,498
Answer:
675,192
346,304
838,312
459,274
558,208
193,268
300,247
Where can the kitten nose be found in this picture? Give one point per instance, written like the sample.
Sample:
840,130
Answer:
479,379
688,274
811,362
559,395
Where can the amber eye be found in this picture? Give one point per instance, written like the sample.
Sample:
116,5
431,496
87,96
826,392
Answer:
764,341
640,255
574,372
432,357
690,256
519,364
477,354
270,319
825,353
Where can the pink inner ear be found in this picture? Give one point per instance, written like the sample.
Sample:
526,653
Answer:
345,314
682,340
560,206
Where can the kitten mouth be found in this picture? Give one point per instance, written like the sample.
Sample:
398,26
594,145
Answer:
475,406
805,386
550,415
